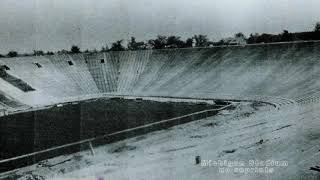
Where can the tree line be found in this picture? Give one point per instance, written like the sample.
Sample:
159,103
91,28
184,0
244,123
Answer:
169,42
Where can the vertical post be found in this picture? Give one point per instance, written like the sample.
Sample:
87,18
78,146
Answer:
91,148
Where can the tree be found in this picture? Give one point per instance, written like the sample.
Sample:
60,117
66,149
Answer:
1,56
27,54
117,46
201,40
175,42
240,38
240,35
75,49
189,42
219,43
105,48
12,54
252,38
317,27
38,53
159,43
63,51
263,38
50,53
286,36
134,45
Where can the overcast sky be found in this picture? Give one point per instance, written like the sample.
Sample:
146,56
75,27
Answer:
55,24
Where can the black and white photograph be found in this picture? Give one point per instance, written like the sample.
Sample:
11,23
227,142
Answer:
160,90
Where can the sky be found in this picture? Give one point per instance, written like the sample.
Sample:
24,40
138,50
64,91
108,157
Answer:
26,25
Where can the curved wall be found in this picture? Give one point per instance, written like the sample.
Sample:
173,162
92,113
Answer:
282,73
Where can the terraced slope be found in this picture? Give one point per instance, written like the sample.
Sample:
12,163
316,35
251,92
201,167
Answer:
282,73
